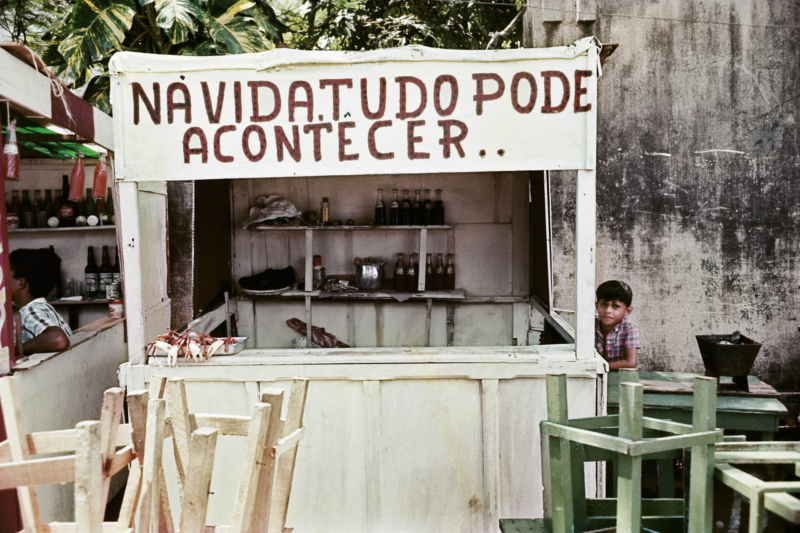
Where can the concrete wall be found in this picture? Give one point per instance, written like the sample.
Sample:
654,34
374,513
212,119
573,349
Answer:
698,176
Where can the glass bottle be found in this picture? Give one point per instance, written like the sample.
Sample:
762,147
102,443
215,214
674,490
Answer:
394,210
12,216
91,279
67,209
428,273
37,200
26,211
438,274
438,209
427,209
116,271
399,274
47,207
405,209
450,274
412,279
112,219
325,211
106,271
380,210
415,217
91,209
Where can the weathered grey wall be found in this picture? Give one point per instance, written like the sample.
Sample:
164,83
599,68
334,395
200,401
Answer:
698,176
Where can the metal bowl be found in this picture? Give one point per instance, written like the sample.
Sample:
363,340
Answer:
370,276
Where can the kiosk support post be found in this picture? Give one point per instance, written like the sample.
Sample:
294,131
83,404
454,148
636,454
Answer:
585,212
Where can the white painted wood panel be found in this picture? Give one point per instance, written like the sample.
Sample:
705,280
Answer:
394,445
483,325
52,401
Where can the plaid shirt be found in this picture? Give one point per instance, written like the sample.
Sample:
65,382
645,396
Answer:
624,335
39,315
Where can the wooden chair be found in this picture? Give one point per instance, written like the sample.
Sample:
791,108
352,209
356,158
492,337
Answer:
775,496
94,461
566,444
262,497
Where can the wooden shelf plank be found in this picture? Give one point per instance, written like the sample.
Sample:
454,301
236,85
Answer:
386,294
48,230
58,303
348,228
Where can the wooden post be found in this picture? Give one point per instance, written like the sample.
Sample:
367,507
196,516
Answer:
90,500
110,416
252,464
150,516
137,412
585,212
629,491
178,414
701,490
18,445
130,244
266,479
559,457
198,480
285,468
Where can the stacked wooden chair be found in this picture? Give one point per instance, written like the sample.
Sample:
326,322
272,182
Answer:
262,497
93,459
775,496
627,439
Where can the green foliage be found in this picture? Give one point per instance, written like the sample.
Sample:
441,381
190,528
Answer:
26,20
82,40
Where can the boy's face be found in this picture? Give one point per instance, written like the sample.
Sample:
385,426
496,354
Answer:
612,312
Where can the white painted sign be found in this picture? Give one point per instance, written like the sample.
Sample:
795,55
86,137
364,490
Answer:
402,111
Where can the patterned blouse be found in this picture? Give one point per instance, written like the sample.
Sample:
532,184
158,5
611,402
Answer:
39,315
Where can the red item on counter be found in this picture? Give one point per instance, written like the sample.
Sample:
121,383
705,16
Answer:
76,180
100,175
320,336
11,153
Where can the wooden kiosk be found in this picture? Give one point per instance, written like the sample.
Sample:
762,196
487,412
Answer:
430,422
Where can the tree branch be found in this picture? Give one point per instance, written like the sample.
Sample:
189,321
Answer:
498,37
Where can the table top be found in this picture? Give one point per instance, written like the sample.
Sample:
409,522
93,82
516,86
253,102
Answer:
732,404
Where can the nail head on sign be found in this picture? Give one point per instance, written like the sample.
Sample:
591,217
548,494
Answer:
482,153
501,152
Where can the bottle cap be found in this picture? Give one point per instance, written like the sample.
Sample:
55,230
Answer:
317,260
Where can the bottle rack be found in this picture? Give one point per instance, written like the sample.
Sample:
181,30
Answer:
74,228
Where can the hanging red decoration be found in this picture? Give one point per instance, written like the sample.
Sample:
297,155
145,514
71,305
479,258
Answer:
11,153
100,175
76,180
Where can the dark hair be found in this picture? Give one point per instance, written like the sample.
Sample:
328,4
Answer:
41,268
614,290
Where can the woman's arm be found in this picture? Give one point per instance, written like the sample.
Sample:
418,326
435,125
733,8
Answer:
51,339
629,361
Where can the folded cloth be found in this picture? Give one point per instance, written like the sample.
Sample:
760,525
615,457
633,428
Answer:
269,280
271,207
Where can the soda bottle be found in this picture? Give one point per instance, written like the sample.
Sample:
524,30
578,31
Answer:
67,208
394,210
415,217
405,209
450,274
12,215
91,280
25,212
106,272
380,210
116,271
412,279
428,273
48,203
399,274
112,219
427,209
438,274
438,209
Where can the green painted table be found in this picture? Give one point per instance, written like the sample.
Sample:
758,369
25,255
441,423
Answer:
734,413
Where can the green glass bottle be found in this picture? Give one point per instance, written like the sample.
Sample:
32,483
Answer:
112,220
90,207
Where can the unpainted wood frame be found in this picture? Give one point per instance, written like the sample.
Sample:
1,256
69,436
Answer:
563,441
91,467
267,469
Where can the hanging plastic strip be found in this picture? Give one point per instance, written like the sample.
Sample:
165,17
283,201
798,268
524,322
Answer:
11,149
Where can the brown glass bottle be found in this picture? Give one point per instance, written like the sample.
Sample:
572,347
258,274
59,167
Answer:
428,273
67,208
116,270
106,273
450,274
412,278
399,274
438,274
91,280
380,210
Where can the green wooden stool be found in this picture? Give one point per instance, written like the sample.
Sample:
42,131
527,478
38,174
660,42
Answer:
626,438
763,495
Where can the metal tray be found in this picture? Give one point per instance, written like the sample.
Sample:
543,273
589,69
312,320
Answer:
241,344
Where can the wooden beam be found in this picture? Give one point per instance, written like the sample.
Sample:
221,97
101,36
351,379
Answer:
585,214
60,441
197,480
90,499
266,479
629,492
701,494
252,464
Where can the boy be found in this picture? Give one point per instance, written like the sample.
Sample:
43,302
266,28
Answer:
34,273
616,338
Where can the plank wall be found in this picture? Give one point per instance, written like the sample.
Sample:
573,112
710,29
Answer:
490,219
